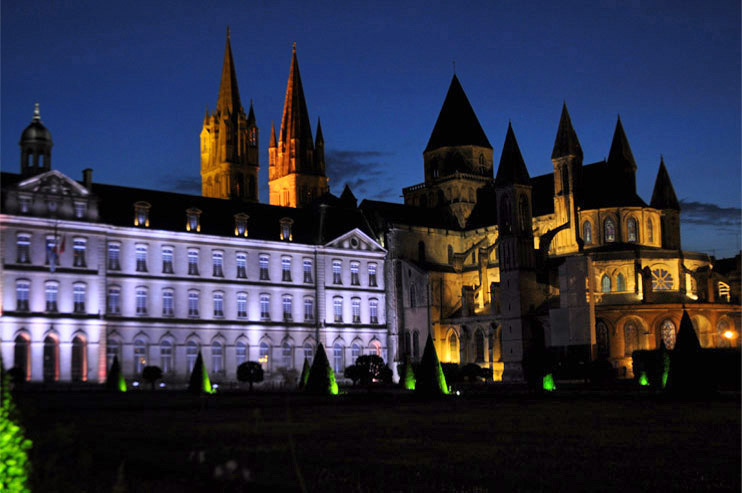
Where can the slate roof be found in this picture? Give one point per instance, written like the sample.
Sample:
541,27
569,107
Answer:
380,213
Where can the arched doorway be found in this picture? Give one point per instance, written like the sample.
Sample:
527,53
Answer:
78,369
51,359
21,355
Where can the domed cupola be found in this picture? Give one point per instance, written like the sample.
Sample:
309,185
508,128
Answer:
36,146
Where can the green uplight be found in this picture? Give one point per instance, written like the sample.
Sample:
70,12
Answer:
14,464
115,380
548,383
321,379
665,368
643,380
408,376
200,382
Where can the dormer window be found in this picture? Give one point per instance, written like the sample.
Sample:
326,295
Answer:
286,234
141,214
51,205
240,224
24,203
193,220
80,209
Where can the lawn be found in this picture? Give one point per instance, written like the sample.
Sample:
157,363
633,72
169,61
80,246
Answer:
499,441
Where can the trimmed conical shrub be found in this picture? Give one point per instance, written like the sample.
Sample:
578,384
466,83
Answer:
321,379
115,380
430,378
304,374
200,382
14,464
407,378
686,368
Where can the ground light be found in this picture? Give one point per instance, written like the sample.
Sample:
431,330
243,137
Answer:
643,380
729,335
549,385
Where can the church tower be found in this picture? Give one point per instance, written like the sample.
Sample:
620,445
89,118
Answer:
567,160
297,164
36,146
229,142
665,200
517,257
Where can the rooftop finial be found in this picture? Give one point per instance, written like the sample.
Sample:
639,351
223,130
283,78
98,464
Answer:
36,112
227,31
454,67
294,47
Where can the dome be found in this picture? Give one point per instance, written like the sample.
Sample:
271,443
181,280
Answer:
36,132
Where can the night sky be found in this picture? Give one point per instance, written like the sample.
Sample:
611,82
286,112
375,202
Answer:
123,87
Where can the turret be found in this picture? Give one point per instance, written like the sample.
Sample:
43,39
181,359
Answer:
567,160
621,163
36,146
664,199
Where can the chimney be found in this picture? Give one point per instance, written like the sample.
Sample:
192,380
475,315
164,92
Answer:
87,178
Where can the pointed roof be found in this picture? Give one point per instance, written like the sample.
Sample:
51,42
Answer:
457,123
663,196
620,155
348,198
566,142
687,340
295,122
251,116
320,137
229,95
273,135
512,168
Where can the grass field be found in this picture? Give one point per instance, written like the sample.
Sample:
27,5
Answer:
501,441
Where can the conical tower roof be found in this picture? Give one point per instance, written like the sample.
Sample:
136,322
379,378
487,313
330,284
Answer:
320,137
566,142
663,196
273,135
229,95
251,116
512,168
620,155
295,122
457,124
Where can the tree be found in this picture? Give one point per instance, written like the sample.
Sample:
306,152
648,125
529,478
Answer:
115,380
14,463
304,374
372,368
200,382
152,374
321,377
354,372
430,378
686,372
251,372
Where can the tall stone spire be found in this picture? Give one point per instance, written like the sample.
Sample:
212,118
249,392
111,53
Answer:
620,155
663,195
566,142
295,121
229,95
512,168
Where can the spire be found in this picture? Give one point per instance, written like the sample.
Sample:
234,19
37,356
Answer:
457,123
251,116
347,197
620,155
295,122
273,135
229,95
320,138
566,142
206,116
512,168
663,196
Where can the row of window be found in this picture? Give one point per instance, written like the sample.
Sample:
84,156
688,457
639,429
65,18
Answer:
51,292
609,231
662,280
52,204
54,247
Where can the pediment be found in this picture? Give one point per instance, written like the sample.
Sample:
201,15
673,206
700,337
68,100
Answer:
355,239
54,183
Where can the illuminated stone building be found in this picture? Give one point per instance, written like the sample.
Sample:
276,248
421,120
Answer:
573,260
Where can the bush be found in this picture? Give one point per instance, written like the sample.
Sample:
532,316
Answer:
152,374
452,372
372,368
321,377
17,376
472,372
354,373
251,372
304,374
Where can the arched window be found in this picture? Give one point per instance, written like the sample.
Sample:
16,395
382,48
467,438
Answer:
263,358
21,356
413,295
51,359
421,251
355,352
191,354
286,355
415,344
453,347
565,179
217,357
609,230
605,284
375,347
631,337
479,345
166,356
140,356
407,342
524,213
112,351
620,283
337,357
240,352
78,369
650,231
667,332
504,214
601,330
450,254
631,229
587,232
308,352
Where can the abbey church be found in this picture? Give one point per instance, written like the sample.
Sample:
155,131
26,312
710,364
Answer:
490,261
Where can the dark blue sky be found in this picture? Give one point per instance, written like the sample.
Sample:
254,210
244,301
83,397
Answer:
123,87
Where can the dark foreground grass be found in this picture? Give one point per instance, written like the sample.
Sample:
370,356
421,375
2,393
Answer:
170,441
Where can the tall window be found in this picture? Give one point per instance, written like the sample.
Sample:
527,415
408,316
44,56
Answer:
166,356
51,359
650,231
308,352
373,311
308,309
631,229
141,300
218,304
51,244
413,295
355,352
337,304
240,352
21,355
241,305
421,251
631,337
337,357
355,304
265,307
193,303
667,332
140,356
479,345
78,252
450,255
167,260
620,283
78,298
605,283
415,344
23,249
193,220
141,257
22,288
218,260
241,258
286,269
336,272
191,355
240,224
601,330
141,214
609,230
354,280
407,342
80,208
263,355
217,357
287,317
286,229
524,213
307,270
114,254
372,275
52,288
168,302
286,355
587,232
193,262
112,351
263,262
114,300
453,347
